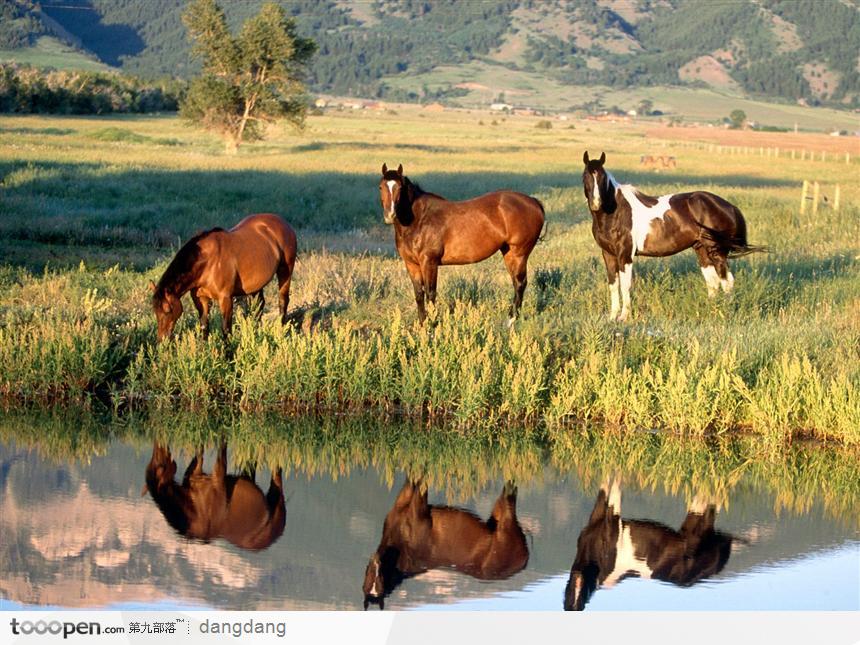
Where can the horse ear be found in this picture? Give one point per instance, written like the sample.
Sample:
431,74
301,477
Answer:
585,158
400,170
384,169
602,158
152,286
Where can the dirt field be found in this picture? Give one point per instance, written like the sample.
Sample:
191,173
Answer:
783,140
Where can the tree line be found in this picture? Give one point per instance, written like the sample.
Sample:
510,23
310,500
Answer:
27,90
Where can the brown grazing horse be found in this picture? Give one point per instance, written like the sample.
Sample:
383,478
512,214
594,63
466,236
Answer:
417,537
627,223
430,231
611,549
218,265
217,505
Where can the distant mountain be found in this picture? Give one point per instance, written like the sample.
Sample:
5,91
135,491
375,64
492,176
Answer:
786,49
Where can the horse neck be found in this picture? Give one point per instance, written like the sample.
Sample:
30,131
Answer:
181,274
407,213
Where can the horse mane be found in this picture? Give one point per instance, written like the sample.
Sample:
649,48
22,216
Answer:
182,265
170,499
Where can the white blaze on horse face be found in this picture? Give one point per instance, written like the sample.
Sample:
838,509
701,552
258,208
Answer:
643,215
626,278
390,185
712,280
596,201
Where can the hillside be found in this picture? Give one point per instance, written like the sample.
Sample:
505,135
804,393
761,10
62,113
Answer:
783,49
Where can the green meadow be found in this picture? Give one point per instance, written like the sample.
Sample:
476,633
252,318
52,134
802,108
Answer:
91,209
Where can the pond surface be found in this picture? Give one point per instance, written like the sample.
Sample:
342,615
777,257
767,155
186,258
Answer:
125,520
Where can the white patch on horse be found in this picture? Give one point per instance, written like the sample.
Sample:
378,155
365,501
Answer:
615,300
615,498
712,280
643,215
728,283
626,561
698,506
626,279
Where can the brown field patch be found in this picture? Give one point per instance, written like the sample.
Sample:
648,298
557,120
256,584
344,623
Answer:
782,140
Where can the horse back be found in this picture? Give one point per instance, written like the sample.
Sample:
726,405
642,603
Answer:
267,226
245,258
708,210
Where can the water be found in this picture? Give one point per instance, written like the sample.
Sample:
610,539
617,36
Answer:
77,532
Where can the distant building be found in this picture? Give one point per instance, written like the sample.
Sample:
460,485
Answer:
501,107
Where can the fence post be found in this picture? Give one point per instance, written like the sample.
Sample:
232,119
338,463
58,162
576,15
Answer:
847,157
803,195
792,153
836,199
816,193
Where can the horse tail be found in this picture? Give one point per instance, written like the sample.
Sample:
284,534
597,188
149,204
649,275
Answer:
733,245
545,228
739,251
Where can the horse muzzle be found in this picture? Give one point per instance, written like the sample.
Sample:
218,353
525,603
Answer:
388,217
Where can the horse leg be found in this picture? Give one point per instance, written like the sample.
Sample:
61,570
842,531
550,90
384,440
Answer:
225,303
260,305
625,279
285,277
709,271
517,267
417,286
429,274
612,274
727,280
202,306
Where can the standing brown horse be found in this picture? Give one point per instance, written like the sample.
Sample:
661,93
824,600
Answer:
417,537
218,265
207,506
430,231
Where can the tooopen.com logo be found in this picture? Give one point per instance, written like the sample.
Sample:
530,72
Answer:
55,628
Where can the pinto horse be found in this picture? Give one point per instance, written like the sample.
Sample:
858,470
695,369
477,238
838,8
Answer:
626,223
417,537
430,231
611,549
218,265
216,505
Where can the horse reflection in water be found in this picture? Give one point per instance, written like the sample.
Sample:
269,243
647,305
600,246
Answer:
417,537
217,505
611,549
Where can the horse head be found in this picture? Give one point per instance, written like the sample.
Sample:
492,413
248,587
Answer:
167,308
390,189
580,587
596,182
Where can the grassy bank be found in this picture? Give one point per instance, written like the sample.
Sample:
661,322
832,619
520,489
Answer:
779,358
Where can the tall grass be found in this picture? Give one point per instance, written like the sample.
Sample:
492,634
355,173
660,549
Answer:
779,358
